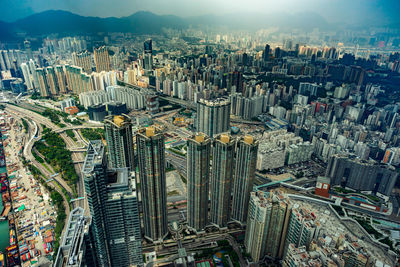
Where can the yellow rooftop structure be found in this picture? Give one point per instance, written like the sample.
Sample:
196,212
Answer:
248,139
150,131
199,138
118,120
224,138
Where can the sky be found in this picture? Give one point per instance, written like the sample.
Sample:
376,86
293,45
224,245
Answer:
334,11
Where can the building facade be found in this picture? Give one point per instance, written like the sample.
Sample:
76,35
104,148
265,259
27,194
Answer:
151,161
118,133
213,116
361,175
221,179
267,223
102,59
246,158
198,171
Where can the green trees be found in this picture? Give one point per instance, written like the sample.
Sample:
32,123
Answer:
92,134
70,134
26,127
61,217
54,150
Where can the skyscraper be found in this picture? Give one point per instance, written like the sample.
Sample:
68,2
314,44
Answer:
151,161
27,76
32,69
198,169
303,227
267,222
94,175
118,133
122,219
246,159
61,79
361,175
267,51
147,54
102,59
213,116
83,60
73,249
6,59
28,49
43,86
52,80
113,206
235,80
221,179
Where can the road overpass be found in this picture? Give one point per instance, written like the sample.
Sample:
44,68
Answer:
92,126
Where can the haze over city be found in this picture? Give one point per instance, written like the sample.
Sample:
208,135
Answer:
334,11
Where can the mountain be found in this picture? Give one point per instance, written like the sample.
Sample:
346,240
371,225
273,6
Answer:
57,21
63,22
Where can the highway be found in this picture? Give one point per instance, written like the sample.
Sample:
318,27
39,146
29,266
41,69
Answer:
84,126
170,250
34,128
76,157
179,162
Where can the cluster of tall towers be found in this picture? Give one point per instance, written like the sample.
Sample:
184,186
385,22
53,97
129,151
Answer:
220,171
226,179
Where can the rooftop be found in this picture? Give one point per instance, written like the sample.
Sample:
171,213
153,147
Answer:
94,155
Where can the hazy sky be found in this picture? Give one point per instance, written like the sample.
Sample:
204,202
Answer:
348,11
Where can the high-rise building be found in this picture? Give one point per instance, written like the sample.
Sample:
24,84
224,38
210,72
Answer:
235,82
122,219
61,79
32,69
151,161
303,227
83,60
3,66
102,59
213,116
361,175
94,175
267,222
6,59
52,81
147,54
114,210
73,251
78,81
246,159
198,170
267,51
28,49
27,76
118,133
43,86
221,179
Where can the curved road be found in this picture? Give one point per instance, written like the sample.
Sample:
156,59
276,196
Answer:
28,155
39,119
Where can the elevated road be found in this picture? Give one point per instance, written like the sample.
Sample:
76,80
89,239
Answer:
34,129
85,126
76,157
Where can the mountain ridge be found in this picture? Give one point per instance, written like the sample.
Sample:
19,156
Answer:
145,22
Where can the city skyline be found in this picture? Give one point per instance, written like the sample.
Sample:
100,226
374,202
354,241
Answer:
262,134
